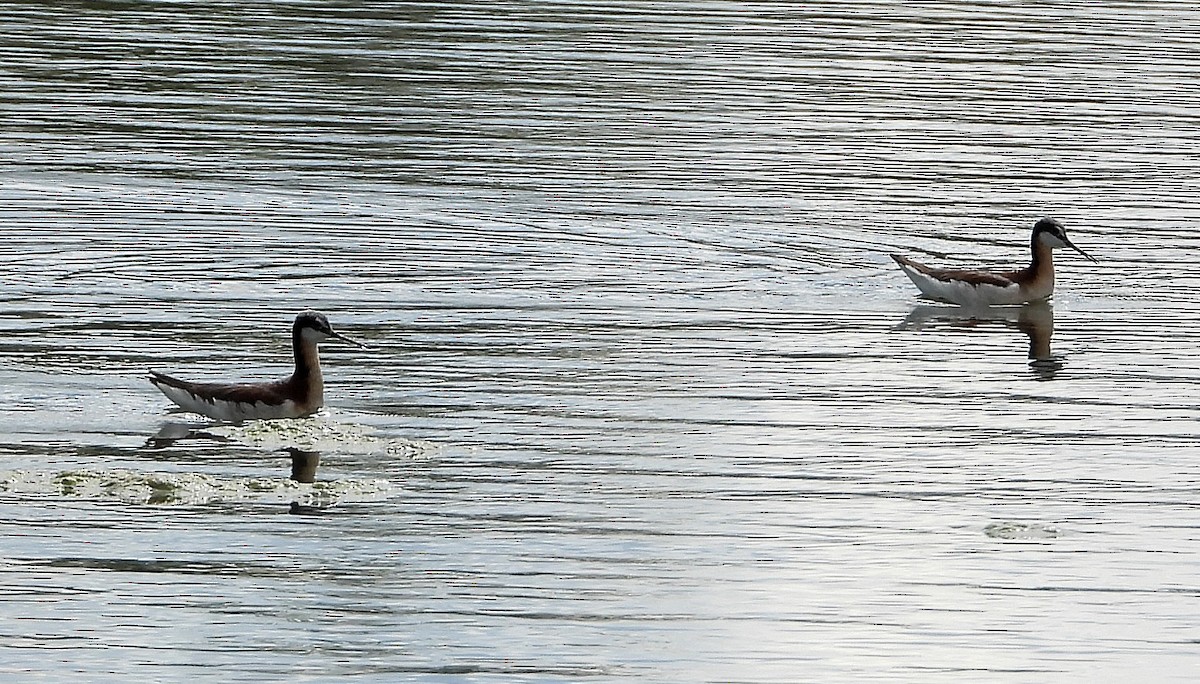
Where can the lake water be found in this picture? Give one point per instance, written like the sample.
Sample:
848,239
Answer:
646,399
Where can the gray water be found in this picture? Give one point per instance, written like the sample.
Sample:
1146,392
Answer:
645,397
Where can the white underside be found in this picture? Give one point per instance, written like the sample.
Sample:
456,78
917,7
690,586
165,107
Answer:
230,411
968,294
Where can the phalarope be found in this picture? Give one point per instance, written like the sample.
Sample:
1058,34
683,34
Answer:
982,288
298,395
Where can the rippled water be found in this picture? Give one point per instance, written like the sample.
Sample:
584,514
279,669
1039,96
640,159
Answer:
645,397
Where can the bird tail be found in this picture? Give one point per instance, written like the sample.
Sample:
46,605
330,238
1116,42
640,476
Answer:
161,379
907,263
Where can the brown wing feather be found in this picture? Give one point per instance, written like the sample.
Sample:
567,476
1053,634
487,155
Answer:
273,393
963,275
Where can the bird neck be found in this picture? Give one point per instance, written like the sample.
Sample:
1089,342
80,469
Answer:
308,361
1043,260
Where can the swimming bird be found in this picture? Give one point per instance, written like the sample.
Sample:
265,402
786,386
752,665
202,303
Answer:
983,288
298,395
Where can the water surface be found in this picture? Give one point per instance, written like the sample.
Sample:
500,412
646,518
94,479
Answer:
645,399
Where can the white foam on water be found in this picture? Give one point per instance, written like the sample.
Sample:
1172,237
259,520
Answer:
166,488
319,433
1018,530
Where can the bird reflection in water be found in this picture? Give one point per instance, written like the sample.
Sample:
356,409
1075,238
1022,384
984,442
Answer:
303,462
304,469
1036,320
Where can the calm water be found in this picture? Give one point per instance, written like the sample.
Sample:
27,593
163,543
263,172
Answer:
646,399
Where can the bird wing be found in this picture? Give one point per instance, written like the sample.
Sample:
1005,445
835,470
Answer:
968,276
272,393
